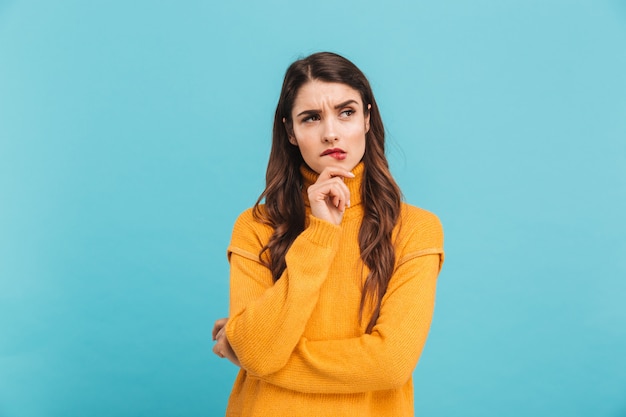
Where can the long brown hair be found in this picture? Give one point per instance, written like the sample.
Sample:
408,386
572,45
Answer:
284,202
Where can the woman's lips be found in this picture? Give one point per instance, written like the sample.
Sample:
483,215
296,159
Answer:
338,154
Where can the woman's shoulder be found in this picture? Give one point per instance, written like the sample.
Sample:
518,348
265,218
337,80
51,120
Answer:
250,224
246,216
421,227
420,218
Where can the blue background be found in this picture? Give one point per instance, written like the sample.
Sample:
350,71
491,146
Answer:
133,133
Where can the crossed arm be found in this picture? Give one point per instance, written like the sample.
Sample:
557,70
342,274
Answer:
383,359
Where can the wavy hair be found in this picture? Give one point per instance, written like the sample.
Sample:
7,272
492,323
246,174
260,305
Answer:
284,202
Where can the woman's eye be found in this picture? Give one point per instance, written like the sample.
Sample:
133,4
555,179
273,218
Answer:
311,118
347,113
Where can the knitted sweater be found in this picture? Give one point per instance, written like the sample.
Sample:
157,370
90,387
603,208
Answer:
301,345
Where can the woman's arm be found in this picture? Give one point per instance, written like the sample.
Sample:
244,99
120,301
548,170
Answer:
268,319
381,360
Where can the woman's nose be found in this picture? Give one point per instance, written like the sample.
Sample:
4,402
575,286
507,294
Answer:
330,131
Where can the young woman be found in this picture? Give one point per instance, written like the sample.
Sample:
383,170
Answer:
333,277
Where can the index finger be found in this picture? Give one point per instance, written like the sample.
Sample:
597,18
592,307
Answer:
330,172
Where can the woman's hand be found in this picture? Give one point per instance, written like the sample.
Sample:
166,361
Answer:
329,196
222,347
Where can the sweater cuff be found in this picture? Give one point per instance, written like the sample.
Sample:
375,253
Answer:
322,233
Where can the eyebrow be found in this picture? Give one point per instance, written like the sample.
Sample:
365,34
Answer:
338,106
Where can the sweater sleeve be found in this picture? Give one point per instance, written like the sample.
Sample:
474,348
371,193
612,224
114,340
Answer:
381,360
268,319
386,358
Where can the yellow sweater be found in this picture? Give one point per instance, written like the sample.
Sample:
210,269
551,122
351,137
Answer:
300,343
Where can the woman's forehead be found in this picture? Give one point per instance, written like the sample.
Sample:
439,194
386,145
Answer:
317,93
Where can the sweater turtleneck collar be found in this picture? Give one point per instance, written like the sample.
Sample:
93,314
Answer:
354,184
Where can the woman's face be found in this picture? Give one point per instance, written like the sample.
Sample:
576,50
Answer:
329,125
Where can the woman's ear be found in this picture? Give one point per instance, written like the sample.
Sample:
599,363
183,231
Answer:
367,118
292,138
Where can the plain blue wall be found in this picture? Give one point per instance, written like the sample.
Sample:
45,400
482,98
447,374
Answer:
133,133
